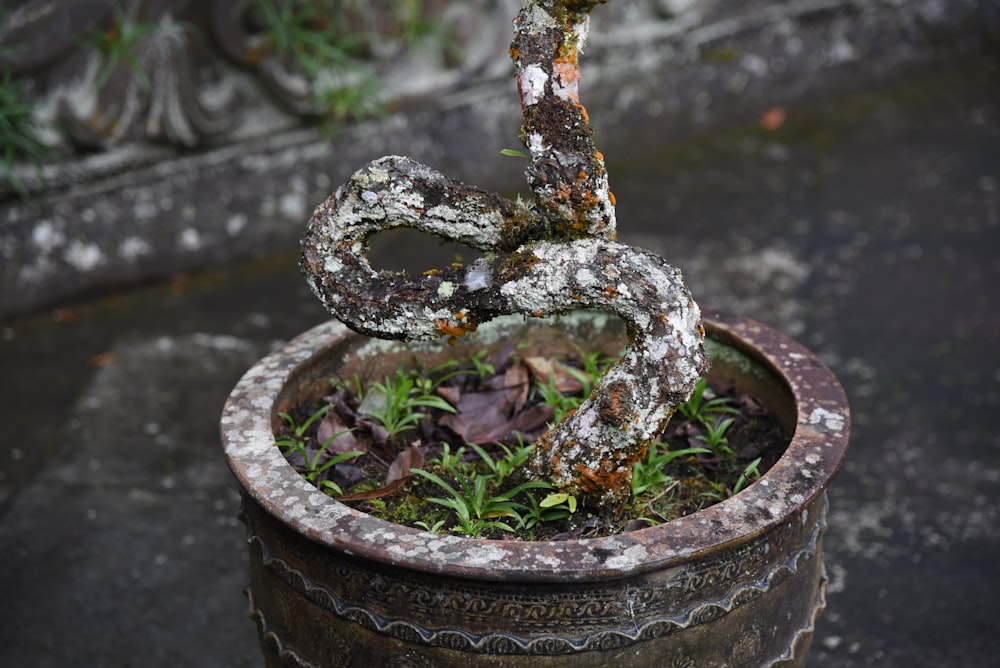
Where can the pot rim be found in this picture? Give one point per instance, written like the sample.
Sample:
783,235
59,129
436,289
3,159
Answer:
813,456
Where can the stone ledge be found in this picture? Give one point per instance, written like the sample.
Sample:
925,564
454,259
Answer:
145,211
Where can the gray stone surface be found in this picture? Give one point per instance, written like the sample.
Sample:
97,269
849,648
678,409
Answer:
867,226
104,577
137,211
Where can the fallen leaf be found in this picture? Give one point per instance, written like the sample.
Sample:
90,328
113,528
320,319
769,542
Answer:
449,393
343,474
773,118
533,421
403,465
374,428
516,380
547,370
374,493
330,426
482,415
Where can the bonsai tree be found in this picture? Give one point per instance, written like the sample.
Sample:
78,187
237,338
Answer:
549,255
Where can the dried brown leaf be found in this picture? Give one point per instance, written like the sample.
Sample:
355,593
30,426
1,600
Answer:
534,420
375,493
449,393
482,415
403,465
330,426
547,370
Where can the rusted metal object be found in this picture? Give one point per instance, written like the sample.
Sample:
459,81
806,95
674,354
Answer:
739,584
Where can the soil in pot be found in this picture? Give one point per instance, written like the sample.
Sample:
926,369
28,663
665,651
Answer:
466,426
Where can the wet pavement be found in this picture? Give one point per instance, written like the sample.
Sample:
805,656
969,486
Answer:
867,226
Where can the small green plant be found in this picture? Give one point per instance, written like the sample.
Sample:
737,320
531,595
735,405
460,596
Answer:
559,500
481,495
502,467
313,32
648,473
477,509
448,460
413,28
715,435
428,381
327,40
594,366
18,132
552,508
478,498
750,473
709,412
118,43
480,366
560,402
395,402
434,527
314,466
702,409
513,153
479,503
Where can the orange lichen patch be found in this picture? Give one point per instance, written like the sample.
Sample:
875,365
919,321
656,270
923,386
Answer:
568,74
611,198
568,56
611,406
583,112
455,331
609,477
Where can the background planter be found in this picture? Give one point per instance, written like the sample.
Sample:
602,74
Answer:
738,584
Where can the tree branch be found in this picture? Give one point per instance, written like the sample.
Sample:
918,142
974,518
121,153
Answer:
554,256
566,173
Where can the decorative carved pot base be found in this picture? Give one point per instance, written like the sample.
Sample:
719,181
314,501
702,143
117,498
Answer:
738,584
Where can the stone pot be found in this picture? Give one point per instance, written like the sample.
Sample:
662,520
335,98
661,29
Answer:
740,583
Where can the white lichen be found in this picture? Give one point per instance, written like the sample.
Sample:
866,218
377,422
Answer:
479,276
532,80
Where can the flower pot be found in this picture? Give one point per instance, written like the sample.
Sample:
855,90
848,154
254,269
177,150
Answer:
737,584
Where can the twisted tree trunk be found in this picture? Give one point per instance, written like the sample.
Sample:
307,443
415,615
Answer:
554,255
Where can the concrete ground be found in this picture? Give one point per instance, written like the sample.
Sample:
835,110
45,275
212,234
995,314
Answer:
866,224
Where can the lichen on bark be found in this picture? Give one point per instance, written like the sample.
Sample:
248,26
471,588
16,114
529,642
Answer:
555,254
